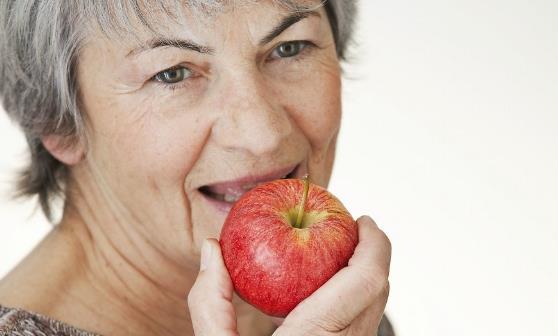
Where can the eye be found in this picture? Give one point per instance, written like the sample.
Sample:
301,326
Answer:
173,75
289,49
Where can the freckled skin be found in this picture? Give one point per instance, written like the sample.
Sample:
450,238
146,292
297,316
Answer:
135,219
274,266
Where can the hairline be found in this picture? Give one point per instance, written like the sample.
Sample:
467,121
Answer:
41,43
122,23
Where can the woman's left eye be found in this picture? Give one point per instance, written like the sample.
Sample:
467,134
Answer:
289,49
173,75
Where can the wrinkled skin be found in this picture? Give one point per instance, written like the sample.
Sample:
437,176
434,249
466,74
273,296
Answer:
126,253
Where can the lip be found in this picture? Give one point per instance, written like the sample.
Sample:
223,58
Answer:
252,179
221,206
225,207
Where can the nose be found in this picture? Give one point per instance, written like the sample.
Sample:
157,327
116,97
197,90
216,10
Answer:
251,117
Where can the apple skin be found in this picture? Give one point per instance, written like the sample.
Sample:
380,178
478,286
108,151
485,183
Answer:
273,265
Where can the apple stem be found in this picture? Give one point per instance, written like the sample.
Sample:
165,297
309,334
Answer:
300,215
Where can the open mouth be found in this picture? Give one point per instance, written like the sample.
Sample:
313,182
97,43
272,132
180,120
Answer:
223,195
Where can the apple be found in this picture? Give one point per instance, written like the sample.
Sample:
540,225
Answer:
282,240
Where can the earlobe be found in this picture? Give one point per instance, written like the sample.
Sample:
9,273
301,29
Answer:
69,153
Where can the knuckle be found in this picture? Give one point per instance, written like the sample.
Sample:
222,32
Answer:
385,289
375,283
328,322
385,251
192,298
386,242
329,325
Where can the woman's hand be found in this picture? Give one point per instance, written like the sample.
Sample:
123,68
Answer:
210,299
352,302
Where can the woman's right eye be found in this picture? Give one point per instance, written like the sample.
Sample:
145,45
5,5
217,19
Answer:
173,75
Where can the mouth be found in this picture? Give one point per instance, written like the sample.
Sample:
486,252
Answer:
223,195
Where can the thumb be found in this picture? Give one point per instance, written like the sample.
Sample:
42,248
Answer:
210,299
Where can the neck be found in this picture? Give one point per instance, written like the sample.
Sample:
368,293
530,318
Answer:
141,287
103,271
140,290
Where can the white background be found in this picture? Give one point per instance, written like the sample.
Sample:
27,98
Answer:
449,141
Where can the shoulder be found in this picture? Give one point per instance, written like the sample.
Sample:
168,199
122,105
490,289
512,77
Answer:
15,321
385,329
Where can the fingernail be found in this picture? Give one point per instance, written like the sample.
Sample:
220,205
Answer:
206,252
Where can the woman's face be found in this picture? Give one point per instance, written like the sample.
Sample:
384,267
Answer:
253,91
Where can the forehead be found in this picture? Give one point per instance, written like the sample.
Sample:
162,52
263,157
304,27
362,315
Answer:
138,20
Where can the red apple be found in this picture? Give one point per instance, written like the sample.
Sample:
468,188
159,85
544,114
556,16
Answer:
282,240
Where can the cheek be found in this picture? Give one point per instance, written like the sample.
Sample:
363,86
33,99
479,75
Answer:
145,143
326,116
316,105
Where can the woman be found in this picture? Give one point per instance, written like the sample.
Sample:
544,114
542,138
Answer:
145,116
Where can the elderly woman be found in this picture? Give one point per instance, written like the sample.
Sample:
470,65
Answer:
148,119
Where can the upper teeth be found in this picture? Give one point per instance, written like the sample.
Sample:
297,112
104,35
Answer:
249,186
231,198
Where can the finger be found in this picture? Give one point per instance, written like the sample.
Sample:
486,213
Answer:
368,321
277,320
374,247
210,299
363,283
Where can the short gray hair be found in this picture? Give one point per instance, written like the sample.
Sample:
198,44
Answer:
39,47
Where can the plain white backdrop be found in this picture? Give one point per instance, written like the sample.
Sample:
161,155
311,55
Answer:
449,140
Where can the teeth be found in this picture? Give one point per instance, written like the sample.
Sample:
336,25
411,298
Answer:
249,186
231,198
234,195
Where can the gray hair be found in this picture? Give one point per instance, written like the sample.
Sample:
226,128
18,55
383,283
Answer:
40,42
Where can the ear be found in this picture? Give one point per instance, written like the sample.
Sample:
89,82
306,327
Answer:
65,151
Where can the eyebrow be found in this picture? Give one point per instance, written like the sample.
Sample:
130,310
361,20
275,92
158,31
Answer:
177,43
286,23
193,46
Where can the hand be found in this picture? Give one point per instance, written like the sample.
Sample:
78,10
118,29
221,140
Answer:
210,299
352,302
